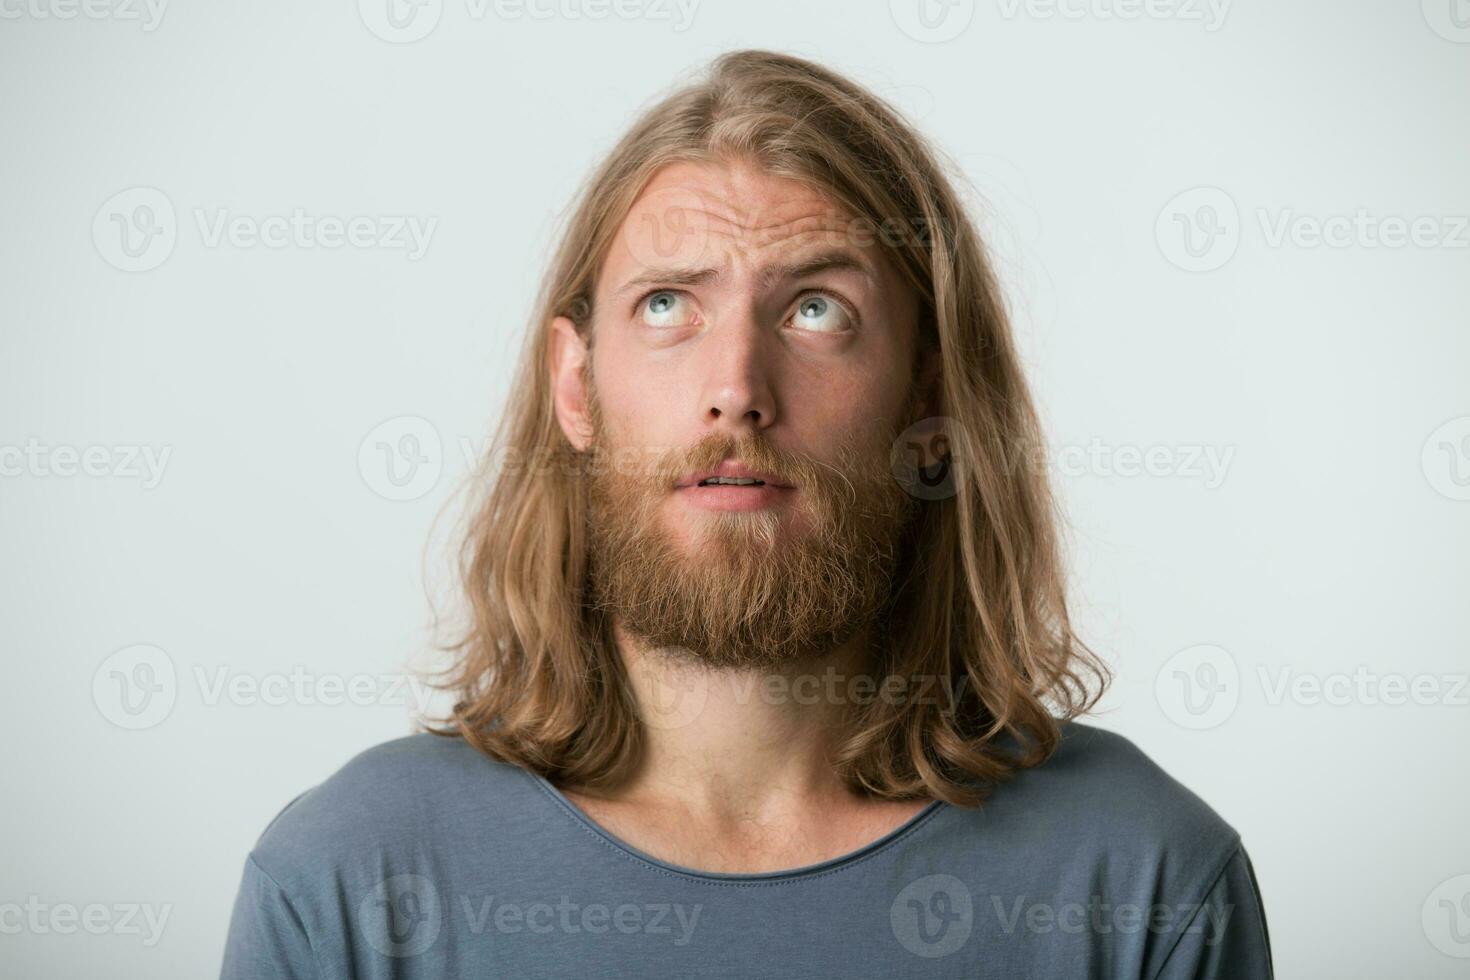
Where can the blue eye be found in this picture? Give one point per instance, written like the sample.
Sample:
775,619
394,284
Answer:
817,312
665,309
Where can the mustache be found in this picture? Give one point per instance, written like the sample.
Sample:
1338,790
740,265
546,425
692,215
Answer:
664,466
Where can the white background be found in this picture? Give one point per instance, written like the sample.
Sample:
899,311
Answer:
1333,541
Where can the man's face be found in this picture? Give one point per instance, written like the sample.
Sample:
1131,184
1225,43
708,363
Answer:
739,322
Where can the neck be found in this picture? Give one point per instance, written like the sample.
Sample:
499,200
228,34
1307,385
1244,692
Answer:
738,745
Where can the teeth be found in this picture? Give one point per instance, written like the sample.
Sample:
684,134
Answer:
734,481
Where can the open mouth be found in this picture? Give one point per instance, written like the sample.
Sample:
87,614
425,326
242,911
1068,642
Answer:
731,481
735,493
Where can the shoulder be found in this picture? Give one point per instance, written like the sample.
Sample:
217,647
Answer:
392,798
1100,793
1101,828
1105,777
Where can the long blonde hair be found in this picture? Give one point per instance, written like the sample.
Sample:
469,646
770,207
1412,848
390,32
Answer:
980,602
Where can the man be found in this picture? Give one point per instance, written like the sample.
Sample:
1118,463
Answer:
768,670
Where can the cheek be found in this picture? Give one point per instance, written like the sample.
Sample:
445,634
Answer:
637,404
844,404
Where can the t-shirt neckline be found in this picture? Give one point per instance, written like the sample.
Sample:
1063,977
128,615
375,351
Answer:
752,877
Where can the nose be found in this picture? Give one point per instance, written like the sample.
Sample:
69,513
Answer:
737,395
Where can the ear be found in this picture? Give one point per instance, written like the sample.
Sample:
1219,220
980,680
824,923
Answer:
568,359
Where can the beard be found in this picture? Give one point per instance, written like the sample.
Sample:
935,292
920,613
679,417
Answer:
754,589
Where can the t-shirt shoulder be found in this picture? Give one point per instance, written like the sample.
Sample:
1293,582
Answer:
1126,785
1102,793
389,798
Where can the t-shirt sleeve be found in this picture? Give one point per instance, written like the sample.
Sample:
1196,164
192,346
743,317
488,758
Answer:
266,938
1226,938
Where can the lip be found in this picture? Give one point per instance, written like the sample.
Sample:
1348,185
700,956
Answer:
733,497
731,468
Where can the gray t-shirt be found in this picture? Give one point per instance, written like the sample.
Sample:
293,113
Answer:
423,858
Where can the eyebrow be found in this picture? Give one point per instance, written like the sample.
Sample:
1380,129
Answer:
840,259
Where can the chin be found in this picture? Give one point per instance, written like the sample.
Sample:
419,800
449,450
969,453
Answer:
747,529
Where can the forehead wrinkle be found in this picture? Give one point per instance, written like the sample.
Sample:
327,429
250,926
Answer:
767,276
768,229
736,226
